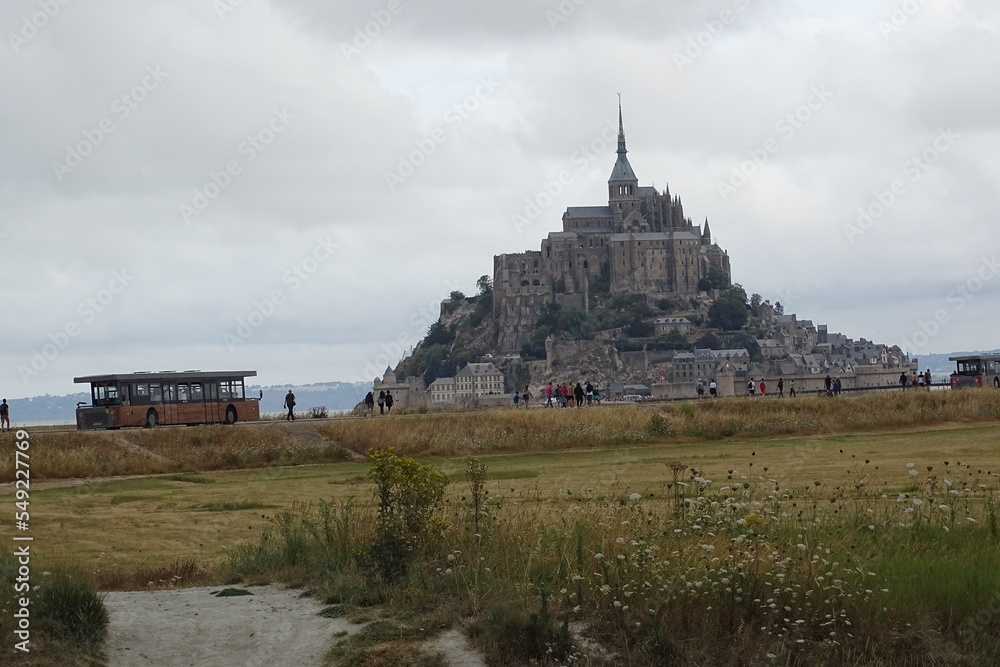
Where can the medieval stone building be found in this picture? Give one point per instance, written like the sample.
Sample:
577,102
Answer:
639,243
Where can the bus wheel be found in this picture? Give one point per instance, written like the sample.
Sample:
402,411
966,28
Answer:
152,419
231,415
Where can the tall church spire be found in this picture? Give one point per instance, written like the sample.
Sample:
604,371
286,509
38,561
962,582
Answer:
621,129
623,184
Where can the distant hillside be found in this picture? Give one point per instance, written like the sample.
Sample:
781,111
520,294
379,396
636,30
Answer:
331,395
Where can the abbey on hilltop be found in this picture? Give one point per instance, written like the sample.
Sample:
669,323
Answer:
640,242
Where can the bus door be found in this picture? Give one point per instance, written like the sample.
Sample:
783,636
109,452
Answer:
213,411
169,412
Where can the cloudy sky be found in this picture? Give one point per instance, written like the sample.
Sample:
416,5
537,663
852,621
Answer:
293,186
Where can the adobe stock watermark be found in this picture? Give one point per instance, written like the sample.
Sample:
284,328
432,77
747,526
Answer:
899,16
364,35
563,11
698,44
248,149
224,7
579,161
786,127
32,24
292,278
426,146
957,299
980,623
911,170
419,321
87,311
121,108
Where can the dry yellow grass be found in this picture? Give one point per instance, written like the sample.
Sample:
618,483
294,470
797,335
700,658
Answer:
159,520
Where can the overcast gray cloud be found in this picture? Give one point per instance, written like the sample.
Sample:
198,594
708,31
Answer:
293,186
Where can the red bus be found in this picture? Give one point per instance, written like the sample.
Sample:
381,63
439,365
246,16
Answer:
167,397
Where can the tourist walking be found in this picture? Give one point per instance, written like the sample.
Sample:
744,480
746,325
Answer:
381,402
4,416
548,395
763,388
902,381
781,387
588,392
525,395
791,389
517,398
290,404
700,389
369,404
828,381
713,389
836,387
751,387
388,401
567,394
578,394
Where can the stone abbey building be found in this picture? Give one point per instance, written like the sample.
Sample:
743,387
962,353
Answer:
640,242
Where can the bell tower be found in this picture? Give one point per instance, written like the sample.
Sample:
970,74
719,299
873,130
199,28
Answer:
623,186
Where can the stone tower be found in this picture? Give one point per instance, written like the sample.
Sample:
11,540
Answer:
623,186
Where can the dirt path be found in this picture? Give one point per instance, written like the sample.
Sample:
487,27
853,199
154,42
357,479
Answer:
193,627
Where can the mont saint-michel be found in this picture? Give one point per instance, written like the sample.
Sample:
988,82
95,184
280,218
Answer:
636,297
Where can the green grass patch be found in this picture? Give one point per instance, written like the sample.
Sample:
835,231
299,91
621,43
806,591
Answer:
231,592
230,506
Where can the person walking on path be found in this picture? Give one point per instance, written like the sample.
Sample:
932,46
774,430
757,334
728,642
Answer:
713,389
369,404
578,394
548,395
902,381
388,401
4,416
828,381
517,399
290,404
525,395
588,391
791,389
763,388
567,394
781,387
751,387
381,402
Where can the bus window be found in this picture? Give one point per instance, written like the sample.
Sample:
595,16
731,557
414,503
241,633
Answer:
169,393
183,392
238,389
212,391
196,394
104,394
142,390
155,392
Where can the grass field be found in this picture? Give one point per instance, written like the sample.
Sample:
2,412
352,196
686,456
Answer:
873,519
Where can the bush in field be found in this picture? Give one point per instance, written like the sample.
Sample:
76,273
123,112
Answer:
64,606
408,494
319,412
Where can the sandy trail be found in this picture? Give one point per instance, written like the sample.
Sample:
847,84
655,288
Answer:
193,627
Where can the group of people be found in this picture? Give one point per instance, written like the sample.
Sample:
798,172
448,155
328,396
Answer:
384,401
713,389
916,380
761,387
564,395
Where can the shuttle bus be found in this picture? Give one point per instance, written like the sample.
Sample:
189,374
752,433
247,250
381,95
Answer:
981,370
167,397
